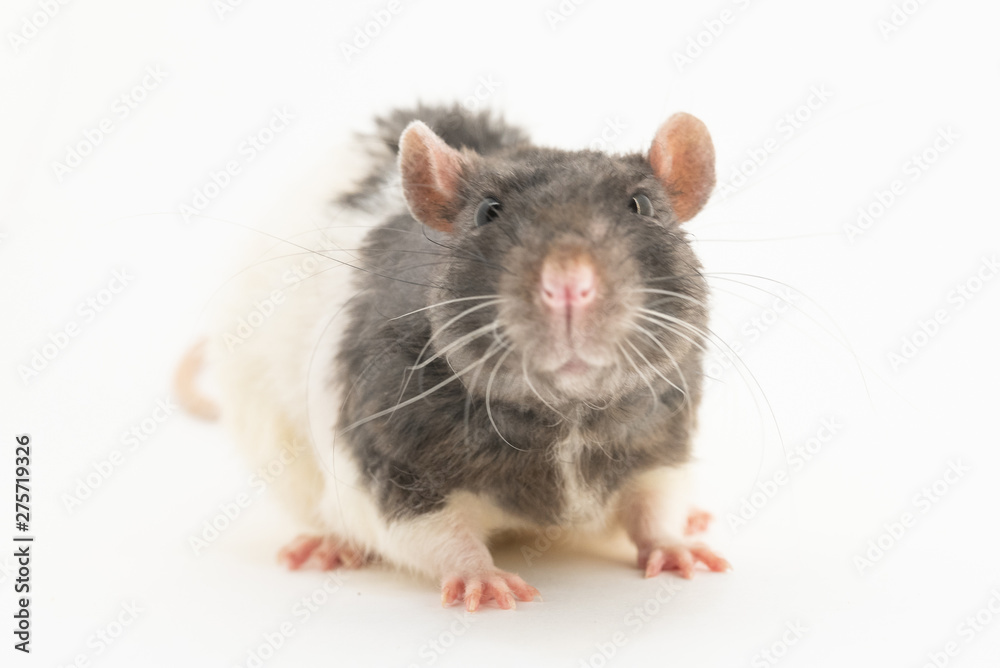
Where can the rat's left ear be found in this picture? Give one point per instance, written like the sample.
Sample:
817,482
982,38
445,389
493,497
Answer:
683,158
430,170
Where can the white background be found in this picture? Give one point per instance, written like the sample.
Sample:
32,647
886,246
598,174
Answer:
900,427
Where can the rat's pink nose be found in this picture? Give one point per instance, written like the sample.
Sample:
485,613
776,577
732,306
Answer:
568,284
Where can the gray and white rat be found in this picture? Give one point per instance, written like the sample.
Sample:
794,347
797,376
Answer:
490,337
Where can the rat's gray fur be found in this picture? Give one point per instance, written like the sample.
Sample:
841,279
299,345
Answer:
626,421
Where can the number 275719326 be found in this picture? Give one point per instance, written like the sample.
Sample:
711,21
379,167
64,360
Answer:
22,488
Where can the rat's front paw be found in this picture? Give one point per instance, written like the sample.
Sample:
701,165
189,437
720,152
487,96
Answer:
680,556
492,584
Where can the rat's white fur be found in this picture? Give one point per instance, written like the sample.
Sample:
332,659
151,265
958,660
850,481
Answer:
270,381
585,506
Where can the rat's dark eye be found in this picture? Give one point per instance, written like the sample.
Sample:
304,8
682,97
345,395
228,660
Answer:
641,205
487,211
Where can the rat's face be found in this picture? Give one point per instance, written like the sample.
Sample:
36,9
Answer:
571,277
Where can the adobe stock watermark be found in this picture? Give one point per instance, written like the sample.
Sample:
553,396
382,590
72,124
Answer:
33,23
912,170
486,86
91,137
958,298
302,611
230,511
968,630
131,440
224,8
543,542
785,129
922,502
752,331
795,461
251,146
368,32
634,620
612,130
559,14
777,650
554,535
263,309
104,638
898,17
57,341
712,29
247,325
475,101
432,650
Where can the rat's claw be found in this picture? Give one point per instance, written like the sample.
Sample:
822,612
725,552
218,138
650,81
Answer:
473,594
298,551
522,589
500,586
451,591
332,553
681,557
501,594
321,552
654,563
706,556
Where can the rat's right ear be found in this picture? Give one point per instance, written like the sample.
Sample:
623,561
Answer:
430,170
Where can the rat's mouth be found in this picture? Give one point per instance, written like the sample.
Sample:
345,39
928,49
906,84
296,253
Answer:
575,362
574,367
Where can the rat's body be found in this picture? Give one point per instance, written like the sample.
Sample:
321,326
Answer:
519,348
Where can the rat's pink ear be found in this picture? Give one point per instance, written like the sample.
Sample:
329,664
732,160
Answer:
430,170
683,158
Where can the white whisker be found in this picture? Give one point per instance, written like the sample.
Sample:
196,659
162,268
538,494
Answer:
445,303
531,386
652,391
670,293
452,321
475,379
416,398
489,387
669,356
457,343
656,316
741,366
655,370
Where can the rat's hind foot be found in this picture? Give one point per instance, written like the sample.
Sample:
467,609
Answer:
321,552
493,584
697,522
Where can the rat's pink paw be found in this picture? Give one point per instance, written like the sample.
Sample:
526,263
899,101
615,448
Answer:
321,552
494,584
698,521
680,557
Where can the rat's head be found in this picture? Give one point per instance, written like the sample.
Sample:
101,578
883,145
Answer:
569,274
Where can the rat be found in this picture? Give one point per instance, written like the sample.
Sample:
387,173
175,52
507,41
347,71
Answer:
492,337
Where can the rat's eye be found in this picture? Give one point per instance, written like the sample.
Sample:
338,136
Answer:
487,211
641,205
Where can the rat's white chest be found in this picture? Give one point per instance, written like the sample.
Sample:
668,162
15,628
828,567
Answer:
584,506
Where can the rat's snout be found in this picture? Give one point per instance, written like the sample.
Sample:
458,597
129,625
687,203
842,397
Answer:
568,281
569,290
